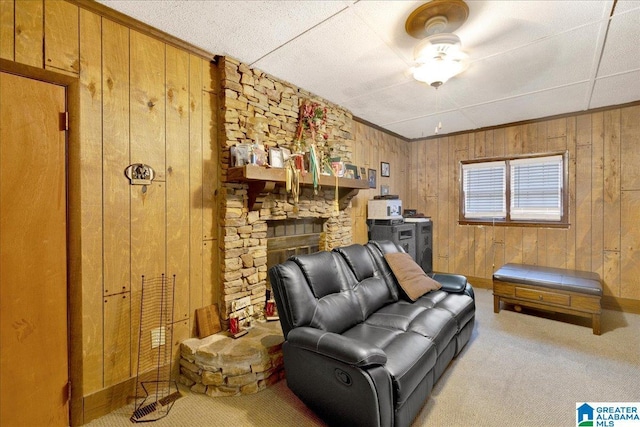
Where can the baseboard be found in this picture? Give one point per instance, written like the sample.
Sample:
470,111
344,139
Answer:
109,399
621,304
624,305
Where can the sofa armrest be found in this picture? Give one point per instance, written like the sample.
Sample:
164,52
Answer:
454,283
336,346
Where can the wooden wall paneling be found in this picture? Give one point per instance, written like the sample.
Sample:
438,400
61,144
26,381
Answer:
499,142
571,231
530,245
480,251
115,158
583,184
629,143
148,102
556,252
210,273
148,245
89,194
195,189
7,29
177,177
597,193
462,244
612,180
479,149
442,220
530,138
513,244
29,32
61,37
148,203
117,339
431,160
611,275
514,139
556,128
210,164
209,76
630,245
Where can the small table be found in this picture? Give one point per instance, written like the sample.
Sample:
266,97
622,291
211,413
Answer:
552,289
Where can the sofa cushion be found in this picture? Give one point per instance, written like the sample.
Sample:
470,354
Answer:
336,306
370,288
411,277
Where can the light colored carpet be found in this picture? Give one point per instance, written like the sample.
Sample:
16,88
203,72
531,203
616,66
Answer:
517,370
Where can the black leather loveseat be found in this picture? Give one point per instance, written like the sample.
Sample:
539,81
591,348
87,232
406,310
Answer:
358,350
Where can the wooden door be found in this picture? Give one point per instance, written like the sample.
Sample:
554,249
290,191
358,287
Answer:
34,372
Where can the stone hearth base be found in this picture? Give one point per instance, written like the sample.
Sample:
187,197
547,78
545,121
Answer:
223,366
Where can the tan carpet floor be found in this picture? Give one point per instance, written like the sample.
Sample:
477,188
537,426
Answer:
518,369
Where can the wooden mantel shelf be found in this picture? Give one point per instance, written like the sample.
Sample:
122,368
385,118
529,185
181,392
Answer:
263,180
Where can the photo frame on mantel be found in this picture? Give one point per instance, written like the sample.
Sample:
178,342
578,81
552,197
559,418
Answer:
372,178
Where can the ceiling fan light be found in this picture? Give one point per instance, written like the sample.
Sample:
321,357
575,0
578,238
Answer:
437,45
437,72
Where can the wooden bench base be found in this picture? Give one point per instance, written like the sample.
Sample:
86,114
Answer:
548,299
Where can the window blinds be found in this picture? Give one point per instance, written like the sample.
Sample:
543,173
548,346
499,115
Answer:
484,190
536,188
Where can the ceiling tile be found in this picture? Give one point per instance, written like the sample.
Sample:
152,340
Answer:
338,59
622,51
423,127
245,30
533,106
400,102
614,90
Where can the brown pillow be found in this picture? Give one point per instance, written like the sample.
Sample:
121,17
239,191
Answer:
413,280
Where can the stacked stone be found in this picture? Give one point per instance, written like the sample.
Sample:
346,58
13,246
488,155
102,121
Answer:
244,248
221,366
251,93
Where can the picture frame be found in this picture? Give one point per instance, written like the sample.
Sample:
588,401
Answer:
372,178
351,171
384,190
385,169
286,153
276,159
363,173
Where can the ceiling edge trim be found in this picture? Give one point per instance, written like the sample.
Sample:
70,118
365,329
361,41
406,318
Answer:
525,122
381,129
134,24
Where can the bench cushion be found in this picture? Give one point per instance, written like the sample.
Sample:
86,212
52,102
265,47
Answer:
584,282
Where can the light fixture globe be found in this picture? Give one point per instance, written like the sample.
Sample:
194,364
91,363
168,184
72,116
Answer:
438,54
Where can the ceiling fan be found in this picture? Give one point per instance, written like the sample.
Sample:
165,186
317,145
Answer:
438,54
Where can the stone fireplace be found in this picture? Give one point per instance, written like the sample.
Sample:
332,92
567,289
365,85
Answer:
254,236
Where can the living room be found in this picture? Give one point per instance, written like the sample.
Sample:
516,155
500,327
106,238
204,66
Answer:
135,94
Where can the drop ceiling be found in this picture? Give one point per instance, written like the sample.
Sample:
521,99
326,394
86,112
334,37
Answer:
528,59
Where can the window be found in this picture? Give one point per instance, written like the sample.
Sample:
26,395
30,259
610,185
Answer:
522,190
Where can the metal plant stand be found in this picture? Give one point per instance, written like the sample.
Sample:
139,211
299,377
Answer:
155,390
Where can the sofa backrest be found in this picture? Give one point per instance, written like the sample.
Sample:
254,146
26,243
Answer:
369,285
316,290
378,249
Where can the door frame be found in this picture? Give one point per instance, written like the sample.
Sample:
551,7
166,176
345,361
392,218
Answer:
74,285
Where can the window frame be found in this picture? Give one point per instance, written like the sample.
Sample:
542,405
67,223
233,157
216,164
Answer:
507,220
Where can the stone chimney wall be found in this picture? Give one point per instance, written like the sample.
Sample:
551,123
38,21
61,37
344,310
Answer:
251,93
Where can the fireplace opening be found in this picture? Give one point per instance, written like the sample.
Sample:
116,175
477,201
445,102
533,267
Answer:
290,237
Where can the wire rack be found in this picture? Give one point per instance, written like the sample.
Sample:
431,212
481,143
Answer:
155,391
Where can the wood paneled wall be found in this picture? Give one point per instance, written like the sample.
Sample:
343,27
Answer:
371,147
141,100
604,202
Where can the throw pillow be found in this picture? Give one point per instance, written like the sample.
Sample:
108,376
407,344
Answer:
412,279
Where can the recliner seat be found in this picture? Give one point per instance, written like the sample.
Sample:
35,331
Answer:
355,350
